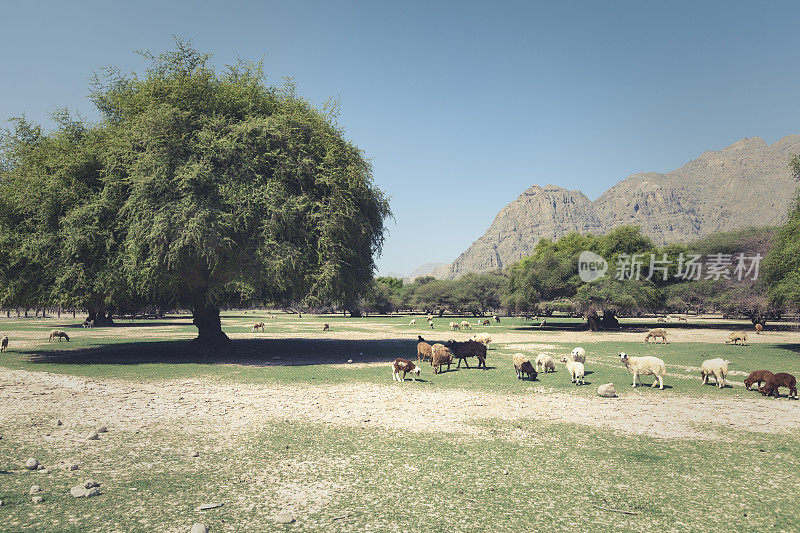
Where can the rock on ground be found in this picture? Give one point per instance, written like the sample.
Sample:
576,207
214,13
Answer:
199,528
31,464
607,390
37,499
284,517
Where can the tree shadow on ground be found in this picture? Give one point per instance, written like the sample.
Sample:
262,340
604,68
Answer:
793,347
262,352
121,323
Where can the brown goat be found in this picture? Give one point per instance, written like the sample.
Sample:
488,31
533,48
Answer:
655,334
423,350
759,329
4,343
781,379
325,327
735,337
470,348
757,376
441,356
485,323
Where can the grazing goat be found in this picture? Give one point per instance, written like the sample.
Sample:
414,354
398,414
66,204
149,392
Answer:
736,337
522,365
759,329
781,379
430,323
646,365
655,334
257,326
470,348
4,343
406,367
483,338
465,325
88,324
485,323
575,369
423,350
496,318
546,362
682,319
661,320
58,334
326,327
413,322
579,355
757,377
454,326
441,356
714,367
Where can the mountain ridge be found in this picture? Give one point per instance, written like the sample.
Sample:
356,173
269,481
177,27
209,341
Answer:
748,183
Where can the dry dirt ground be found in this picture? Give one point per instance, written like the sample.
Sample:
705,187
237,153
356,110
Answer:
222,408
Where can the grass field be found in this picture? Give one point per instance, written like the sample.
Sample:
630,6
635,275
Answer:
282,421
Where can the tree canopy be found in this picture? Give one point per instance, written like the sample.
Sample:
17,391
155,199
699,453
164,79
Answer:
197,189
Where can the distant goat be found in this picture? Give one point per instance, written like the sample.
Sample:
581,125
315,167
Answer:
58,334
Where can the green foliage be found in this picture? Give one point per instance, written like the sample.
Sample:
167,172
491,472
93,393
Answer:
551,274
196,188
395,284
782,263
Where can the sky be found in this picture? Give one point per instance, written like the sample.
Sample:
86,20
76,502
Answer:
460,106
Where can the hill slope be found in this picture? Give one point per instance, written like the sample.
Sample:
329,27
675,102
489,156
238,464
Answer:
746,184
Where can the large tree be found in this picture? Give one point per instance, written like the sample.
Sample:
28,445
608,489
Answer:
197,189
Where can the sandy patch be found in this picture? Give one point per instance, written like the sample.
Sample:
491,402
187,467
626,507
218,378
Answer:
222,408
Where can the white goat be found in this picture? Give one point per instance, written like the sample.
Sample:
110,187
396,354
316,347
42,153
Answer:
647,366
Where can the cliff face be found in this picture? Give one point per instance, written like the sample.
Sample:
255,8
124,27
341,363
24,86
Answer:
746,184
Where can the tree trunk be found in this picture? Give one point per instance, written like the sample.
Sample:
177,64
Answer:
593,320
609,320
209,326
100,318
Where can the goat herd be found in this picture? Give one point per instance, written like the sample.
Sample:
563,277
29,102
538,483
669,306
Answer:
444,354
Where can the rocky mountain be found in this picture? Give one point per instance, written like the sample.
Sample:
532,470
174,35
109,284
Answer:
746,184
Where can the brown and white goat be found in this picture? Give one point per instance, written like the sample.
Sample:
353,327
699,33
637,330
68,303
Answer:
405,366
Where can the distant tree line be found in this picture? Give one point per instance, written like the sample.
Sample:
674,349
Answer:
753,273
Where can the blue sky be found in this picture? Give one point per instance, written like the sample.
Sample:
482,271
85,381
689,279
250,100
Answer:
460,105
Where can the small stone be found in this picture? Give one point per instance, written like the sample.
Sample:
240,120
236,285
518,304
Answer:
92,492
92,435
207,506
34,489
44,471
284,517
31,464
607,390
199,528
37,499
505,472
102,429
349,360
195,454
57,422
1,503
91,484
78,491
73,467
